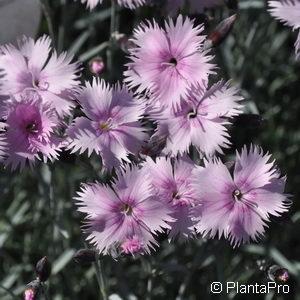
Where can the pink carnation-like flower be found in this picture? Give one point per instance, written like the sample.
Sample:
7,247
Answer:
167,62
126,3
31,67
132,245
173,185
30,125
238,205
201,120
125,216
288,12
111,128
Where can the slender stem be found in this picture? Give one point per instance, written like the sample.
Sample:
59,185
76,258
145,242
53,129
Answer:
47,12
8,291
112,29
100,278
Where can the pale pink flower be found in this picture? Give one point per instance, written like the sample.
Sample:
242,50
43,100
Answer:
29,135
125,216
201,120
287,12
126,3
111,127
173,185
237,206
30,66
167,62
132,245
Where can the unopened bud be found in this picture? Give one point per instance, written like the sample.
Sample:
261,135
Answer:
154,146
85,257
277,273
219,34
43,268
33,290
96,65
249,120
232,4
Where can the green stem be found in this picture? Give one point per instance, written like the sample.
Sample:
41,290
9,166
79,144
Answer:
112,29
100,278
47,12
9,292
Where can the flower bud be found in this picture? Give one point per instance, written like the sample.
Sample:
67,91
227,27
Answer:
43,268
96,65
219,34
277,273
33,290
85,257
154,146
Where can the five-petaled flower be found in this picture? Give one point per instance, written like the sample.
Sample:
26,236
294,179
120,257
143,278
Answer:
237,206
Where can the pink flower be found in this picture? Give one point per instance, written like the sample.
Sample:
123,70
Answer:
111,127
172,184
167,62
238,205
288,12
30,127
201,120
31,67
127,3
132,245
125,216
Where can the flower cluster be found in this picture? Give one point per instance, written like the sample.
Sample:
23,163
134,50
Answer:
37,90
165,110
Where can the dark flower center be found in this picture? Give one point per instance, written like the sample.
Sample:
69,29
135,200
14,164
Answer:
127,209
173,61
192,114
237,195
176,196
32,127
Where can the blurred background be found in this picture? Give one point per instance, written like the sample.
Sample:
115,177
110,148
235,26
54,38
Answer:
37,213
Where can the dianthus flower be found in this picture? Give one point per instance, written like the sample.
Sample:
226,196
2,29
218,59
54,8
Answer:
126,3
167,62
125,216
173,185
111,127
30,126
201,120
288,12
237,206
31,67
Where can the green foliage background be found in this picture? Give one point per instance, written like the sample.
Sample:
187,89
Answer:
37,213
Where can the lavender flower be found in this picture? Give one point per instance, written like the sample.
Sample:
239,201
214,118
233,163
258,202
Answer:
167,62
173,185
238,206
126,3
288,12
31,67
201,120
111,127
125,216
30,127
